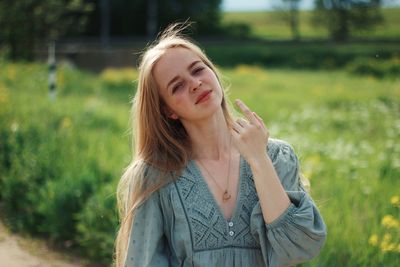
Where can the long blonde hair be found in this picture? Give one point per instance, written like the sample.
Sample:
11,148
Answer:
159,143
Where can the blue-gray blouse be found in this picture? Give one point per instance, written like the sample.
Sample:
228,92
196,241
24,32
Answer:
181,224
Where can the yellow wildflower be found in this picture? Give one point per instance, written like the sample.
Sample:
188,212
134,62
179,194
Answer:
395,201
248,69
389,221
387,247
373,240
118,76
387,238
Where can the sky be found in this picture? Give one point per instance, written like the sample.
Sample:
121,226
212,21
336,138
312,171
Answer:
254,5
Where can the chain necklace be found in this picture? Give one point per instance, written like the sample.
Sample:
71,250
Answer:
226,196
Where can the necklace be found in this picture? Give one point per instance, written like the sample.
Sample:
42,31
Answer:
226,196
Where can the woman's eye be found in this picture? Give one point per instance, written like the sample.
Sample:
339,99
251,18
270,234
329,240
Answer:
198,70
177,87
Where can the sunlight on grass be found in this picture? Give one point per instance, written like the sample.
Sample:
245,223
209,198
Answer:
344,128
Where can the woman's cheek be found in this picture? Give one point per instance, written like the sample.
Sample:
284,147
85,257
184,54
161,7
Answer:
179,100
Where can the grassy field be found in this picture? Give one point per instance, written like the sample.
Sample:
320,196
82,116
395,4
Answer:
345,130
269,25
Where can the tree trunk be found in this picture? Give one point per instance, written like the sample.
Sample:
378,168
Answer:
342,30
105,22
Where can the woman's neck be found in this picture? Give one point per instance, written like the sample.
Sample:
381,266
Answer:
210,138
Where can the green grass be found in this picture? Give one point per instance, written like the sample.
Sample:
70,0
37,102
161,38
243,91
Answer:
344,128
269,25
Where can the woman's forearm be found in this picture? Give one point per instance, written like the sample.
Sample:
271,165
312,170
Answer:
272,196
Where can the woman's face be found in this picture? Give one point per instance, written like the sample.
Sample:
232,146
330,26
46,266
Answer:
189,87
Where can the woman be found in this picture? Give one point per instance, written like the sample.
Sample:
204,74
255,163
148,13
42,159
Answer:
205,189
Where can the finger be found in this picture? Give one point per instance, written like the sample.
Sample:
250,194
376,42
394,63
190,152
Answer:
260,120
242,122
246,111
237,127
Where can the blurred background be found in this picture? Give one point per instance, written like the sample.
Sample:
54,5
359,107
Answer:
323,74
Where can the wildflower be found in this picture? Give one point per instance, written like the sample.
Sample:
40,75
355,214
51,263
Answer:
387,238
395,201
373,240
118,76
387,247
388,221
248,69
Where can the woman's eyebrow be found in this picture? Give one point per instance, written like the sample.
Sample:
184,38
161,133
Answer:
189,67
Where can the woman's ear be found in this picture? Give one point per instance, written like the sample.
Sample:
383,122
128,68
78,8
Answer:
173,116
169,113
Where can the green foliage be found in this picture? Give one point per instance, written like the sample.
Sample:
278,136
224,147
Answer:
119,82
297,55
288,10
24,22
54,156
60,161
268,25
60,200
375,67
30,164
97,224
131,17
205,14
237,30
342,17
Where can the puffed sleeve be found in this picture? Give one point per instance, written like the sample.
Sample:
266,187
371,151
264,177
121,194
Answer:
147,243
299,233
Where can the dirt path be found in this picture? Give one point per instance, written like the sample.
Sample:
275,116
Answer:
16,251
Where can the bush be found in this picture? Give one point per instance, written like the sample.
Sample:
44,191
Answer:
97,224
59,201
375,67
119,83
30,157
237,30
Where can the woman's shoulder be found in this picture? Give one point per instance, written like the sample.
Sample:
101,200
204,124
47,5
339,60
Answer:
286,163
280,149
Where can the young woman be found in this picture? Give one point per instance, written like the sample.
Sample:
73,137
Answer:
205,188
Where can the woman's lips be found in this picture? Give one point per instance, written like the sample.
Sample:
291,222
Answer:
203,97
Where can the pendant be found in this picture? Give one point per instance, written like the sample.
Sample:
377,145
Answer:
226,196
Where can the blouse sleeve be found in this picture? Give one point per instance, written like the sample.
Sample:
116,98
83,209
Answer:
147,243
299,233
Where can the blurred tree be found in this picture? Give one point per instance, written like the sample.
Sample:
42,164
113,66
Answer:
288,10
341,17
146,18
24,22
205,13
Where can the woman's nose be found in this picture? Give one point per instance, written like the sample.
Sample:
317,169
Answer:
195,84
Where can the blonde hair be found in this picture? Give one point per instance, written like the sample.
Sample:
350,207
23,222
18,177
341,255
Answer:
160,143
